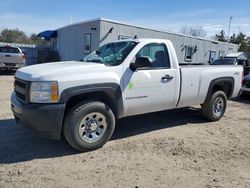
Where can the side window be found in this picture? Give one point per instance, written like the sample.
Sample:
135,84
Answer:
4,49
212,56
221,54
157,53
189,53
87,44
14,50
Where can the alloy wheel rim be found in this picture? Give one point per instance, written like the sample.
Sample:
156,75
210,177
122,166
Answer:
92,127
218,106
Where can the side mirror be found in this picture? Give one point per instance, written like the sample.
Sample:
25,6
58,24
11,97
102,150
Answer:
97,52
141,62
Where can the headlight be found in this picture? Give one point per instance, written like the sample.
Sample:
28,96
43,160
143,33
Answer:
44,92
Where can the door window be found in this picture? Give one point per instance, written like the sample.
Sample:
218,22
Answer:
157,53
221,54
87,43
189,53
212,56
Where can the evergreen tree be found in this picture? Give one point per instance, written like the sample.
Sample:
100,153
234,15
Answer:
221,36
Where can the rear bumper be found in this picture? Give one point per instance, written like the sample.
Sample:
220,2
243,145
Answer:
45,119
9,66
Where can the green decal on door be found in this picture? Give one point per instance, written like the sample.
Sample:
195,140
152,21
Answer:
130,85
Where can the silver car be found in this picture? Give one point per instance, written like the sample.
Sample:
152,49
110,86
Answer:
11,58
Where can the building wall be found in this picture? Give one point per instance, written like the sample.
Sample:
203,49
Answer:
70,40
179,41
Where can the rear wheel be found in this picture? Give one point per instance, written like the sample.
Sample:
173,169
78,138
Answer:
89,125
244,95
215,106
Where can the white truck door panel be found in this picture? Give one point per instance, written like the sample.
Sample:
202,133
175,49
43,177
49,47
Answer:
147,91
152,87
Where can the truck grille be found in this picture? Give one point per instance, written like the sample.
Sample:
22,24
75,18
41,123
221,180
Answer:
21,88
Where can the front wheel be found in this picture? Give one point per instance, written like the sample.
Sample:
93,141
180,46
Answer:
89,125
215,106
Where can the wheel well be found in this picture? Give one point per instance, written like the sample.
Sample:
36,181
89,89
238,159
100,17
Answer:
224,86
101,96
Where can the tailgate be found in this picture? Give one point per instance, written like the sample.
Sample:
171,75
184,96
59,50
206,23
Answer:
11,58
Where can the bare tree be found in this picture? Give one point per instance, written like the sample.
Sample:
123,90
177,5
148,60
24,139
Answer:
196,31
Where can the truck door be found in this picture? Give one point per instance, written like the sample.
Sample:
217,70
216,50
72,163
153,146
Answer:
152,88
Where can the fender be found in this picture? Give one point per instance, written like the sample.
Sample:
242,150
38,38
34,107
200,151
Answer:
220,81
112,90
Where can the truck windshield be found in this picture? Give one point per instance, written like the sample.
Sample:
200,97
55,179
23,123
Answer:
9,50
111,53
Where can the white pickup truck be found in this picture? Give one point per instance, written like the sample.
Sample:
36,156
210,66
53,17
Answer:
11,58
83,100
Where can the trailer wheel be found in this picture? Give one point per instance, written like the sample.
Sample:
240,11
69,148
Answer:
89,125
215,106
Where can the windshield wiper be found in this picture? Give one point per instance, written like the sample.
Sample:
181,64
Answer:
95,61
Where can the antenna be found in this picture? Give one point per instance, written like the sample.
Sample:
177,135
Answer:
70,19
229,27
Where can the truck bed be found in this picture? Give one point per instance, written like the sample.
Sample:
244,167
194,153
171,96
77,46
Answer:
195,81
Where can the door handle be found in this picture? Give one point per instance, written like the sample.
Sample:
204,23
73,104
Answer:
167,77
7,55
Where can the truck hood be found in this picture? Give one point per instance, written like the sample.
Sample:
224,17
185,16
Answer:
51,71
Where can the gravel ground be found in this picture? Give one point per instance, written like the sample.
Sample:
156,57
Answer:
176,148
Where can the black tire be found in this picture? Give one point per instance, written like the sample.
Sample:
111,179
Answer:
75,117
244,95
209,111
